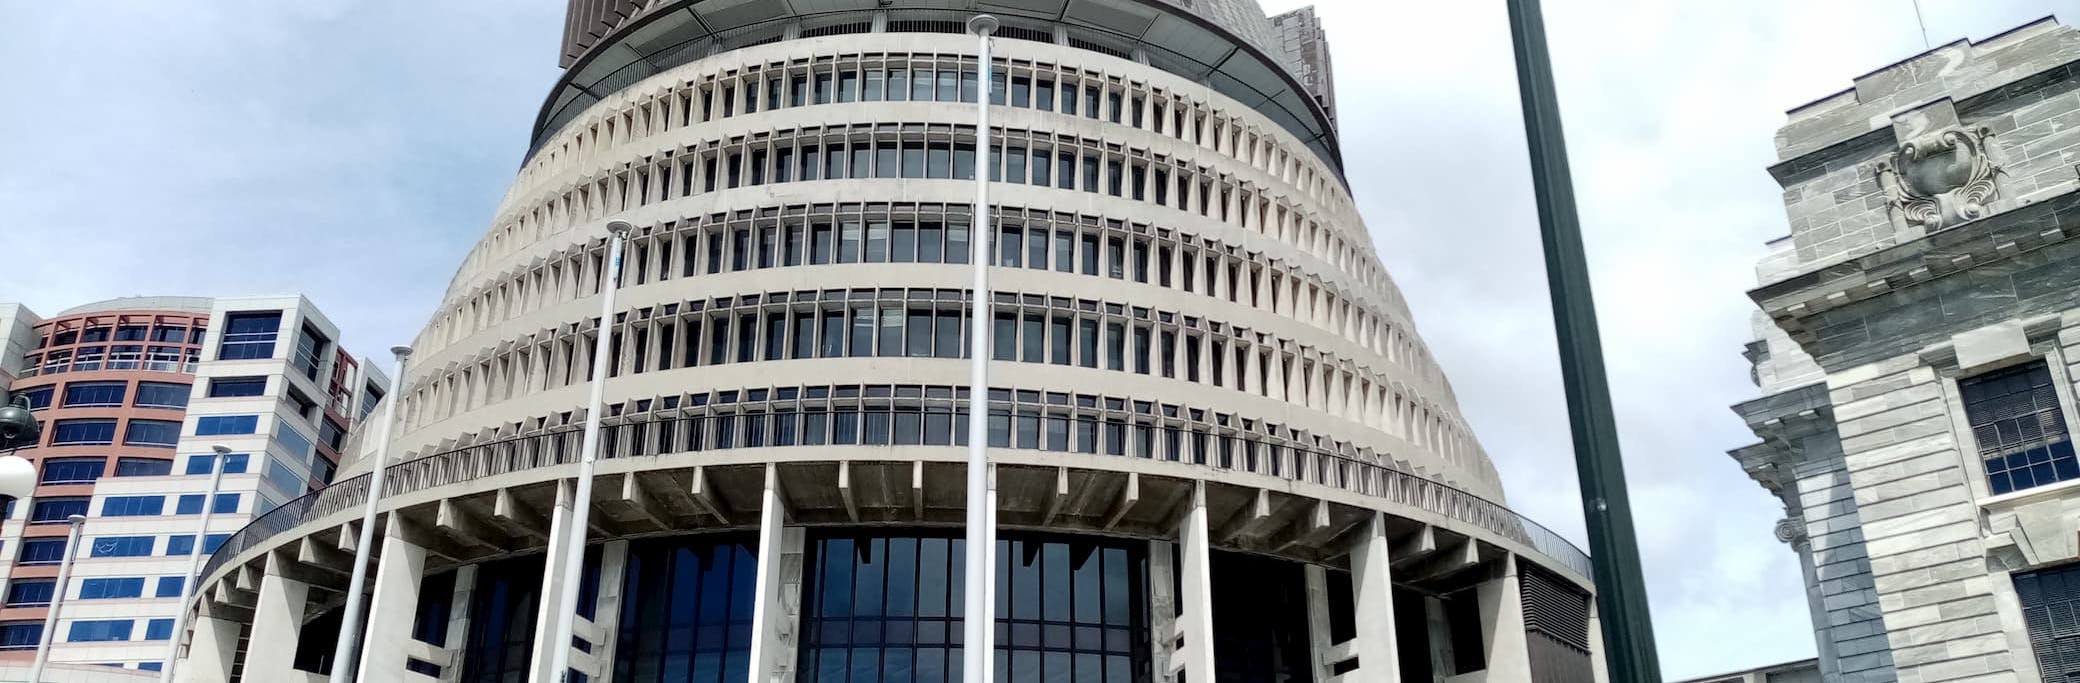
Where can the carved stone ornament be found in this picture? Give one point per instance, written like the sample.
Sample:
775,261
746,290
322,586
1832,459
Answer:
1791,530
1941,179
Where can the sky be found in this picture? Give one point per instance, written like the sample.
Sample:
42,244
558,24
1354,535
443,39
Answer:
352,151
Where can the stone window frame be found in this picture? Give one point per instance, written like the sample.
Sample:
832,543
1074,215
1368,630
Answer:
2045,350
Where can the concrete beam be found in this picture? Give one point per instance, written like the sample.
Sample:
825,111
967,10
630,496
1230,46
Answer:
1248,521
629,502
433,542
463,525
845,491
1128,498
1311,528
1455,558
516,518
917,489
1406,551
703,494
320,556
1061,496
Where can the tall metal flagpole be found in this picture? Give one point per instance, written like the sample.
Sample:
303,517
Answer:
1621,595
343,653
180,618
50,620
982,535
572,564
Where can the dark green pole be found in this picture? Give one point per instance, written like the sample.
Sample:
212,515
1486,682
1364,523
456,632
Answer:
1621,593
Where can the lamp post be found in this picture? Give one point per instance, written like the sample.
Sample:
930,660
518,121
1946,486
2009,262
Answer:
180,617
978,618
350,621
1621,593
50,620
571,566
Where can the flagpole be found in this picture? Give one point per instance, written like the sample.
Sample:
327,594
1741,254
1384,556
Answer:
180,617
571,567
982,535
343,652
1621,592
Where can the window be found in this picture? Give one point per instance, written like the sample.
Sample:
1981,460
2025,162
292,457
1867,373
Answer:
227,424
143,467
99,631
73,470
56,510
224,387
152,433
234,463
191,504
2022,437
250,335
96,431
20,635
39,397
132,506
82,394
185,544
30,592
162,395
120,546
111,588
43,551
157,629
662,576
170,587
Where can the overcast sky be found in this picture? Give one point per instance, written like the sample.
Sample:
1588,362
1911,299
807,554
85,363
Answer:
352,152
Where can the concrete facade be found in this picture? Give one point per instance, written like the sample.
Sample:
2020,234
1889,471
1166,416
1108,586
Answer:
1203,376
149,364
1914,346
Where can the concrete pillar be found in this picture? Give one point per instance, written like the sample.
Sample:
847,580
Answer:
1502,622
1320,643
394,604
1372,589
459,604
277,621
1599,670
769,660
214,648
552,591
1162,607
1196,598
606,612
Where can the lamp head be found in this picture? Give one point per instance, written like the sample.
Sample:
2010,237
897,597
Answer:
620,228
17,477
982,25
221,449
17,427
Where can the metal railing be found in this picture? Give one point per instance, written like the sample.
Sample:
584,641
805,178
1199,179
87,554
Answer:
633,439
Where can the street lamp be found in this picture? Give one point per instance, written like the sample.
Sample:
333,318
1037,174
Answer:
50,620
180,616
343,652
978,619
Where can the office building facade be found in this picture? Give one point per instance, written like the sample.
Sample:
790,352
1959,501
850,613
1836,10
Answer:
1221,451
1916,350
132,395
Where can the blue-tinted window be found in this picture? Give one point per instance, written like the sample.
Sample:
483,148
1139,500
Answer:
56,510
143,467
30,592
79,394
226,424
99,631
43,551
73,470
111,588
154,666
158,629
191,504
132,506
162,395
169,587
185,544
154,433
39,397
294,442
20,635
234,463
250,335
87,431
2019,427
120,546
283,477
237,386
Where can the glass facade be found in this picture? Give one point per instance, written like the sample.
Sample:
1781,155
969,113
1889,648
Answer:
687,611
1260,634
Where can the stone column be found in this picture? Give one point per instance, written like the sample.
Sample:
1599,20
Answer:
1502,621
1196,599
606,611
213,650
1792,531
459,604
552,591
769,634
277,621
1372,589
1320,643
1162,607
394,604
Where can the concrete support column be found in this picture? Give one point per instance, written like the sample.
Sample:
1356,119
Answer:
606,612
1502,622
1372,589
771,632
213,650
1601,671
1253,367
1196,598
552,593
1321,644
277,621
1162,608
394,604
458,622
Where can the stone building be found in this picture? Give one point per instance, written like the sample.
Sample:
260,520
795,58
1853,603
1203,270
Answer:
1221,450
1918,340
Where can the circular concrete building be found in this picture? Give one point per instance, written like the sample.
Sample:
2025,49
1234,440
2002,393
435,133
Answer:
1221,451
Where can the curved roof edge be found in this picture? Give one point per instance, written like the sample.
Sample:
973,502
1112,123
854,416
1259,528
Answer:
194,304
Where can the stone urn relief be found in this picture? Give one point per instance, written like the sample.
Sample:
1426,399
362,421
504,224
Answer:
1939,179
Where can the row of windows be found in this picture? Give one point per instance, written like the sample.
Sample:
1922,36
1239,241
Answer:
107,394
145,506
163,332
114,630
38,592
45,551
116,357
102,432
88,469
1026,329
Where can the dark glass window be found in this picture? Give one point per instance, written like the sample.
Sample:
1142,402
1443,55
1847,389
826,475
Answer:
73,470
143,467
226,424
191,504
686,612
55,510
1260,634
501,625
20,635
43,551
85,631
185,544
88,431
250,335
234,463
95,393
121,546
156,433
162,395
30,592
221,387
133,506
111,588
39,397
2020,430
